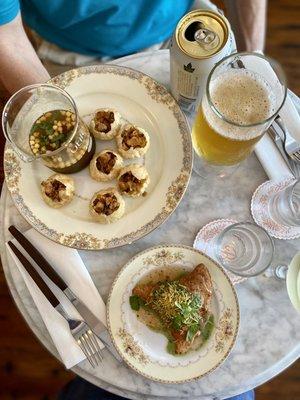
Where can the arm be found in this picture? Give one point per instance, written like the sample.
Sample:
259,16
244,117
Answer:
248,21
19,64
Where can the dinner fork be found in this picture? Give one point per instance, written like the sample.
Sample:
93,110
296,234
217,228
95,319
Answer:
84,337
277,136
292,147
79,329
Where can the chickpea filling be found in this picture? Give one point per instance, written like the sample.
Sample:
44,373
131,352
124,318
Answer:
105,162
52,189
104,120
106,204
50,131
128,183
132,137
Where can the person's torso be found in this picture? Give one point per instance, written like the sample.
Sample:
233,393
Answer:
104,27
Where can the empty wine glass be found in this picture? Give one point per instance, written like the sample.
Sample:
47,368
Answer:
244,249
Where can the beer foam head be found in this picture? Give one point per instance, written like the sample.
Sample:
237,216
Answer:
242,97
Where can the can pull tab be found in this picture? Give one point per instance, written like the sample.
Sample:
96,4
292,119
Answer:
206,38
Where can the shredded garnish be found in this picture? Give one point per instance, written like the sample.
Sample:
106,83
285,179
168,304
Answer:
177,307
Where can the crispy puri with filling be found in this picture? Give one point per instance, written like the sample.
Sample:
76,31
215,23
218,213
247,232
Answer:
132,137
103,120
105,123
107,206
58,190
105,162
105,165
132,141
133,180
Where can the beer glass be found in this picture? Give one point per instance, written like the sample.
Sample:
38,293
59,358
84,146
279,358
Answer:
244,93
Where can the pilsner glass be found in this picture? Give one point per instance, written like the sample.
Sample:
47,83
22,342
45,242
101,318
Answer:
244,93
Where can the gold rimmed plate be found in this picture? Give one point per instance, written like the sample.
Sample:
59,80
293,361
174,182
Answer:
145,350
142,101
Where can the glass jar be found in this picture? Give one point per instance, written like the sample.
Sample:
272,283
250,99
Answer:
42,122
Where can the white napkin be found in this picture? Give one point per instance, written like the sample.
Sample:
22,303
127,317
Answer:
271,159
266,150
70,267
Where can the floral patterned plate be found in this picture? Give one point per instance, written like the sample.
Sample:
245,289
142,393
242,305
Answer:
145,103
143,349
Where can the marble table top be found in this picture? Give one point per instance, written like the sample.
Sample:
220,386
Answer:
269,336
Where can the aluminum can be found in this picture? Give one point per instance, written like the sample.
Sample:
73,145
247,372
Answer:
201,39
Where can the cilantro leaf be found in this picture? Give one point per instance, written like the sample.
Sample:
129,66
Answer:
177,322
171,347
193,329
208,327
135,302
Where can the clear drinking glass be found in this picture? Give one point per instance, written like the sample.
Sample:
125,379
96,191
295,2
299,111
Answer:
244,93
244,249
284,206
27,106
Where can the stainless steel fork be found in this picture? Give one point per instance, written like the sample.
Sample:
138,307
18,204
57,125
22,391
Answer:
292,147
84,337
276,134
79,328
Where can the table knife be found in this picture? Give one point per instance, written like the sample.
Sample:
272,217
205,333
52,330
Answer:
94,323
79,329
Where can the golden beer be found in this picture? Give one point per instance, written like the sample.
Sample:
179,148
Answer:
217,149
238,107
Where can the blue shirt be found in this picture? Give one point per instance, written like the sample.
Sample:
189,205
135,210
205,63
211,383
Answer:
99,27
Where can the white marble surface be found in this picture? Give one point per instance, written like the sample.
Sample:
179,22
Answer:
269,337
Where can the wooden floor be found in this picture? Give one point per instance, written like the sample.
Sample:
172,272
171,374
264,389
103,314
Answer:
28,371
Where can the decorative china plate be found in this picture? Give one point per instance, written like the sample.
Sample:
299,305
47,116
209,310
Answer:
143,349
142,101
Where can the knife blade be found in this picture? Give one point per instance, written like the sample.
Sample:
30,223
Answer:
94,323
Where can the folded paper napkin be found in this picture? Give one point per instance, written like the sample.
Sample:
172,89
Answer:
70,267
266,150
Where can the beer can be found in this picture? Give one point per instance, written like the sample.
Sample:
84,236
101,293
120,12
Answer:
201,39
